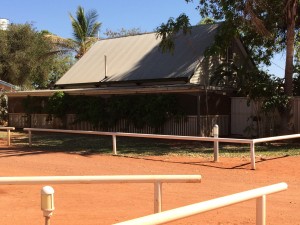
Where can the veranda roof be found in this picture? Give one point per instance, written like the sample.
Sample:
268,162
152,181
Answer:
179,88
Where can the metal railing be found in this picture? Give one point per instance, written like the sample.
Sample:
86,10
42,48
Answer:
8,129
157,136
157,180
214,139
186,211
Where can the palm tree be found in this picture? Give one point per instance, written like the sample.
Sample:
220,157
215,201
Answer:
85,30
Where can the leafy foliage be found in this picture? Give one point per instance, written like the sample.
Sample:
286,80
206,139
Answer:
30,60
61,64
24,56
207,20
123,32
263,91
141,110
264,26
3,109
85,30
167,31
58,104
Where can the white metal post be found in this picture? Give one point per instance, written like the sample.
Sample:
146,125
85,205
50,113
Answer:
157,197
29,138
114,140
216,143
261,210
47,203
252,153
8,137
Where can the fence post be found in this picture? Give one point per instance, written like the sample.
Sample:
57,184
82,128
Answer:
261,210
157,197
29,138
252,152
114,140
47,203
8,137
216,143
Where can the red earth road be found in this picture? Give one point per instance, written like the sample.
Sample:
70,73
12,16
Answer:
91,204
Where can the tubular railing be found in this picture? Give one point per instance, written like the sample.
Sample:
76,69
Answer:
8,129
182,212
156,136
214,139
157,180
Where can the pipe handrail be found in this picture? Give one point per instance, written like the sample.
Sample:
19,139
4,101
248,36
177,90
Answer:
193,209
29,180
215,139
276,138
8,129
157,180
156,136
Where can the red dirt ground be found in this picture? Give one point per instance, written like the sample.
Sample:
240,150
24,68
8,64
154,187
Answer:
92,204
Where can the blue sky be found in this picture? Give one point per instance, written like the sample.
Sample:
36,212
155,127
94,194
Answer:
53,15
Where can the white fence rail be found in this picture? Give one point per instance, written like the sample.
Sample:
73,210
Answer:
8,129
157,136
276,138
215,139
157,180
175,214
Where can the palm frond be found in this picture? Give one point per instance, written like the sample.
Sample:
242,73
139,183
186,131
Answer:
85,29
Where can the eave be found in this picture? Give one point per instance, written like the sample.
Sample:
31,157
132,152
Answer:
180,88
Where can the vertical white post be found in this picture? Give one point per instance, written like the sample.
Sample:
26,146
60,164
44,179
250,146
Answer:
29,138
114,140
105,66
47,203
157,197
261,210
8,137
252,153
216,143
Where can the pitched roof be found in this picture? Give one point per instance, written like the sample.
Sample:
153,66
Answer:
138,58
7,86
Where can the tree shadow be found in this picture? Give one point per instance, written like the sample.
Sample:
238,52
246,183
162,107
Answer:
206,163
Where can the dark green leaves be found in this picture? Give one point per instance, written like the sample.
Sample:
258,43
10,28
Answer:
85,30
167,32
24,56
139,110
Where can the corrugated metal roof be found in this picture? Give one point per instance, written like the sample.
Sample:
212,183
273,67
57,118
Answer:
138,58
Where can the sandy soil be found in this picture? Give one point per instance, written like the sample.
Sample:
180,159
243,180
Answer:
110,203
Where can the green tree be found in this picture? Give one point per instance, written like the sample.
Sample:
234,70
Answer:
122,32
61,64
3,109
207,20
85,30
24,56
266,94
265,27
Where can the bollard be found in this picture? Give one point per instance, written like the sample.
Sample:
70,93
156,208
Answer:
47,203
114,141
216,143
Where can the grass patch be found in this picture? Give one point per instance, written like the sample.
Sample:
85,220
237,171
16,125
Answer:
93,144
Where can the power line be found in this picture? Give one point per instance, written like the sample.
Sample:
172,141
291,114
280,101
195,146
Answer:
278,66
